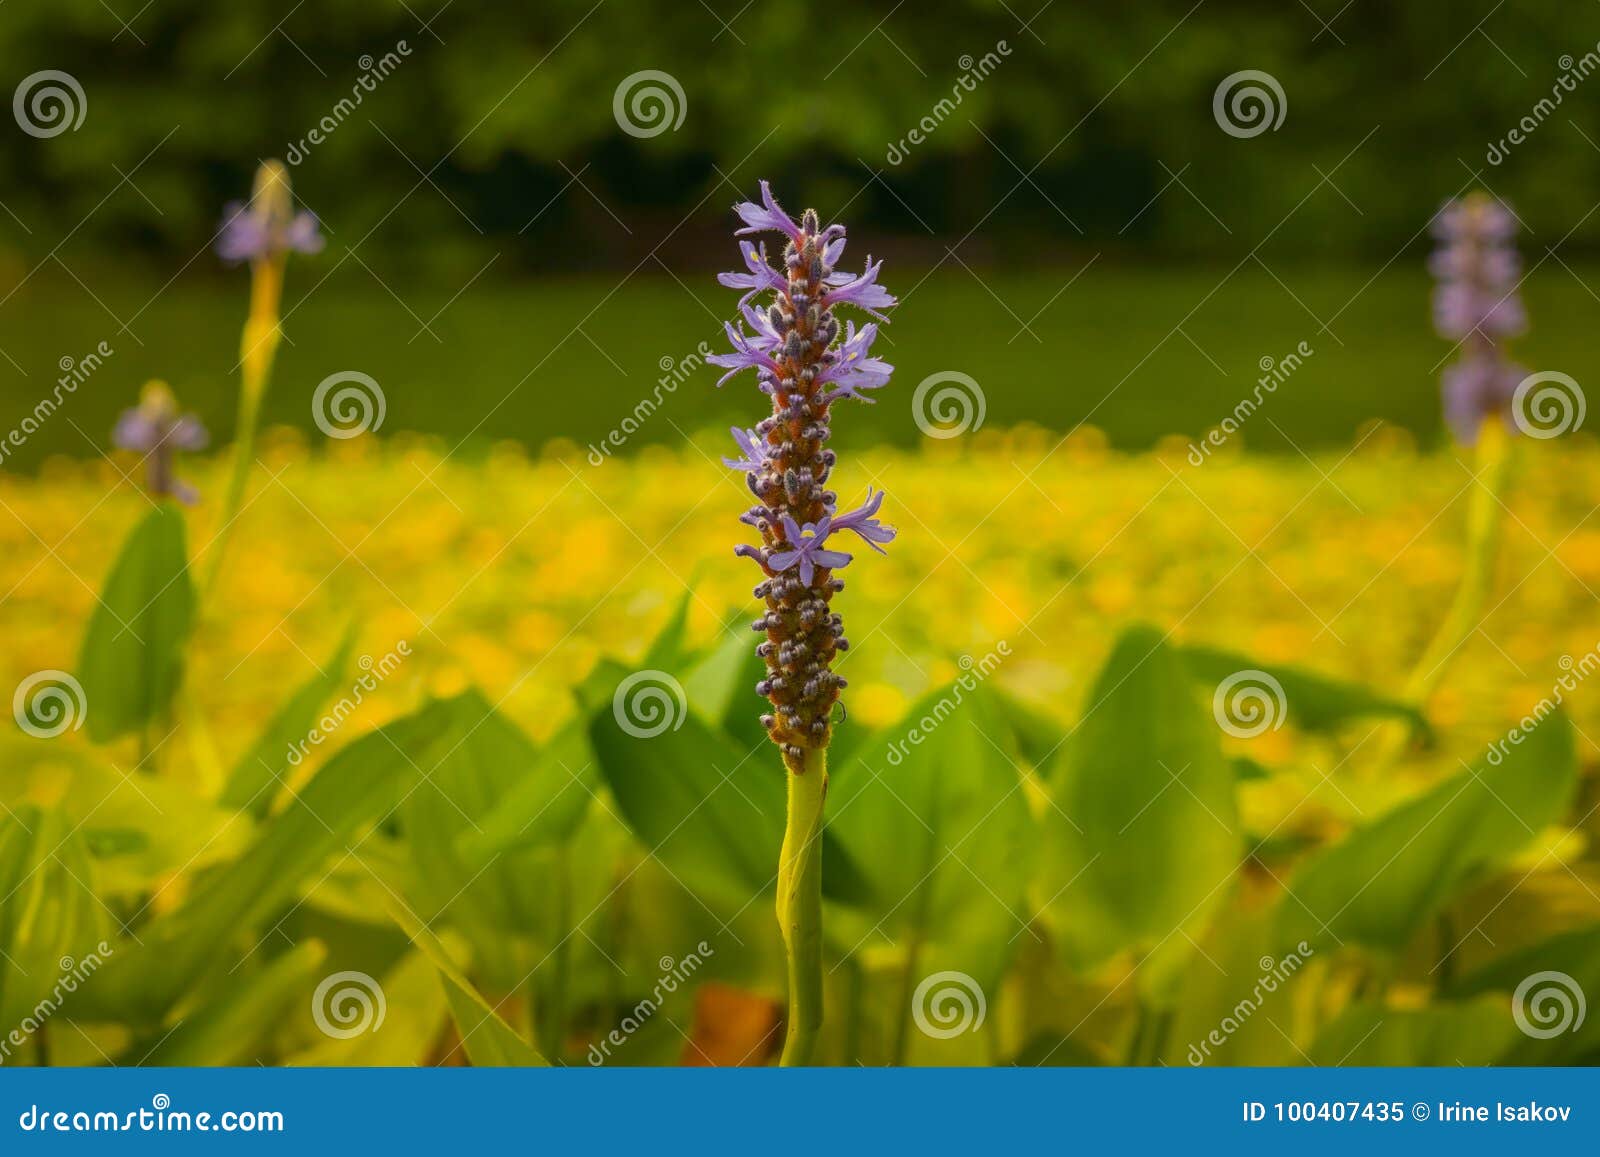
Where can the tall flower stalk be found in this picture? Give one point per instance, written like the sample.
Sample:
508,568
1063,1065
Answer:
1476,304
804,362
262,231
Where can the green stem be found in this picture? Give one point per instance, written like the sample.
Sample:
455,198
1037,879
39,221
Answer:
1483,543
244,455
1484,522
800,905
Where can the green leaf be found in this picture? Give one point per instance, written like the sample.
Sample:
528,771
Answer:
361,783
485,1037
138,828
1383,883
721,688
415,1010
933,814
543,806
1037,735
1375,1036
713,810
50,920
1311,701
231,1028
1143,831
481,759
1555,978
132,657
256,778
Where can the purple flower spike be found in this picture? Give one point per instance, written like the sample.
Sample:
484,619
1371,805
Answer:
805,549
767,215
158,431
805,360
1476,304
266,227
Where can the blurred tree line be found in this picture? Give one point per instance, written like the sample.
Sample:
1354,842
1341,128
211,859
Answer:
498,118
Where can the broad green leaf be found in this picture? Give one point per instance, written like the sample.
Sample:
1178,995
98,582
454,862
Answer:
543,806
933,814
415,1010
1555,984
1374,1036
232,1027
357,786
138,828
132,657
1037,736
480,759
486,1038
1381,884
1310,701
721,688
668,650
1143,832
256,778
710,808
51,923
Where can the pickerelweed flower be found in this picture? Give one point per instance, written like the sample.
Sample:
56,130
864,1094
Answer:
1476,304
794,346
155,429
262,231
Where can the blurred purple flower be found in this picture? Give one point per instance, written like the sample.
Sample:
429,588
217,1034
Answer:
155,429
1476,304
